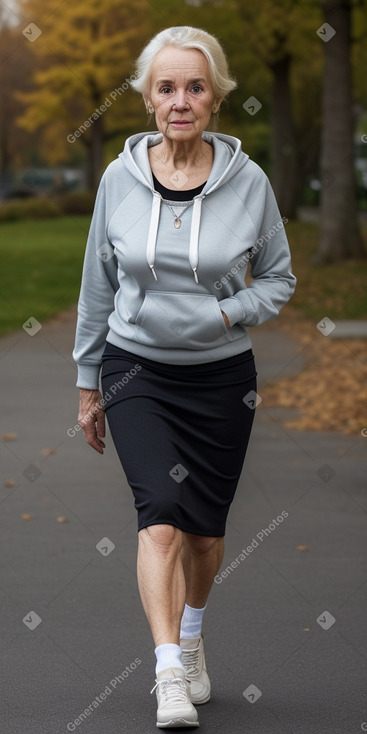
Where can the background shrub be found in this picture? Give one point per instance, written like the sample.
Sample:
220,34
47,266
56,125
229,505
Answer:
34,208
77,202
45,207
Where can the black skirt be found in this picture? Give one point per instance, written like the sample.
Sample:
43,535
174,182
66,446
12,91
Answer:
181,433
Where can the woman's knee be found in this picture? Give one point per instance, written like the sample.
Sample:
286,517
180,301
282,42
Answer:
163,537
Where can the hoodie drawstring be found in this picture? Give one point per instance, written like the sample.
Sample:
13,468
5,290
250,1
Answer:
194,234
194,237
153,229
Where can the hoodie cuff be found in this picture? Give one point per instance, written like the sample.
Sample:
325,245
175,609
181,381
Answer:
88,376
233,308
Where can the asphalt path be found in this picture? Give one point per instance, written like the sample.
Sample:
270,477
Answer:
286,624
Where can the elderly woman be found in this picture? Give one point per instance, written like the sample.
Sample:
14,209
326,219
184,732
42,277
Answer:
164,310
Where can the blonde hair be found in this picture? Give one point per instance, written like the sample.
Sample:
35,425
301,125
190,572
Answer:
186,36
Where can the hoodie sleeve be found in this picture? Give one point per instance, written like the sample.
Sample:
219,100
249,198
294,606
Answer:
273,281
96,299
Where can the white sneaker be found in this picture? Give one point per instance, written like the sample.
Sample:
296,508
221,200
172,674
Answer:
193,659
173,696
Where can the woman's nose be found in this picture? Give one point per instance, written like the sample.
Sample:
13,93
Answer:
180,100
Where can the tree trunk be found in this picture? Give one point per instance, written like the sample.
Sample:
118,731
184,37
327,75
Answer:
340,231
95,154
285,181
4,147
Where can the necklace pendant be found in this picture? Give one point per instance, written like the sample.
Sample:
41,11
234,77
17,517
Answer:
177,223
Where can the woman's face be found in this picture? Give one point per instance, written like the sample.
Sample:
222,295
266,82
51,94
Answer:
181,93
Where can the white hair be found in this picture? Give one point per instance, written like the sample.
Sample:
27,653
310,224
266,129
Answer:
185,36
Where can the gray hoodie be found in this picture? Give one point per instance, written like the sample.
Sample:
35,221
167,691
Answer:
158,291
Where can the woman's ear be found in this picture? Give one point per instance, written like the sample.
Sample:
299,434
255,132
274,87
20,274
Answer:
217,103
148,106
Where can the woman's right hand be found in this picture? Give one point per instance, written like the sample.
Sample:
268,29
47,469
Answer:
91,417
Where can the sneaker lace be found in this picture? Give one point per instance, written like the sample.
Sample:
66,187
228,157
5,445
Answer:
190,659
173,690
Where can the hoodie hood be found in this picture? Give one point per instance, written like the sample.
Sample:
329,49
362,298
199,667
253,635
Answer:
229,158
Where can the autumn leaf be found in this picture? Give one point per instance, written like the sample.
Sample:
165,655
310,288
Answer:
330,392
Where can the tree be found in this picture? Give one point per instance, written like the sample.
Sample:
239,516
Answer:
15,62
279,34
340,231
84,53
284,147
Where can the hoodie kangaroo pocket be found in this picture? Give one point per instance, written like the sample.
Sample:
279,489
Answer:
184,320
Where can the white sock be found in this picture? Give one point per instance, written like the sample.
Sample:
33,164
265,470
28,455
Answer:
168,656
191,622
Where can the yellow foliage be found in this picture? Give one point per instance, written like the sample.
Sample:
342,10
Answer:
84,52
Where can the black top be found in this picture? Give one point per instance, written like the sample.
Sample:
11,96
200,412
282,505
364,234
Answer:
176,194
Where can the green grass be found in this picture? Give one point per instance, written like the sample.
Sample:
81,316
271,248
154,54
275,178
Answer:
41,268
42,262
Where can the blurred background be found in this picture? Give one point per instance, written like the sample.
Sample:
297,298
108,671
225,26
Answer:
300,110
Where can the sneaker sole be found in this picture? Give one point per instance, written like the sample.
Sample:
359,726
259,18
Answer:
199,702
177,723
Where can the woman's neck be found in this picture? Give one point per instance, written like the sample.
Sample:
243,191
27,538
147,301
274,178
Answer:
186,156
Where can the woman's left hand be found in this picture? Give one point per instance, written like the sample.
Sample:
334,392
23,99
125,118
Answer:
228,325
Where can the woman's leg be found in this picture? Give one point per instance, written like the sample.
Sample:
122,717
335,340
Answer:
174,568
161,581
162,589
201,559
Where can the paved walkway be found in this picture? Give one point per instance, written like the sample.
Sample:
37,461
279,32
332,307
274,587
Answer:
285,629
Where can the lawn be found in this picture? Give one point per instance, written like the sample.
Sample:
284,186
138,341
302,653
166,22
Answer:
42,261
41,268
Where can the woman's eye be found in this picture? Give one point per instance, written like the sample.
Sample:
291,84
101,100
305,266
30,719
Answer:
195,88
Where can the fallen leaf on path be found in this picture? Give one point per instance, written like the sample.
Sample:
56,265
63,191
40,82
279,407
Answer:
330,392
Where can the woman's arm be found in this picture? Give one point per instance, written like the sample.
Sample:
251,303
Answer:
91,417
97,292
273,281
